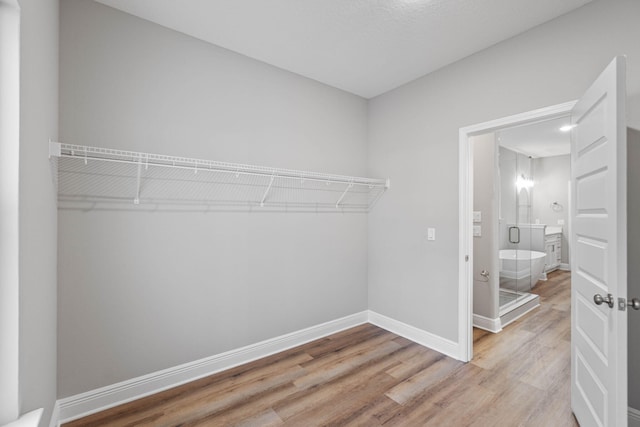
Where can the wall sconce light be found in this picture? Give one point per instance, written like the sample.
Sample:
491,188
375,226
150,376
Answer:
523,182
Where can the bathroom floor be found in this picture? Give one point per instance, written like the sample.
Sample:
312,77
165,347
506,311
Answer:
534,352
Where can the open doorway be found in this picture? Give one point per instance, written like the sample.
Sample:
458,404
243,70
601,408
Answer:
466,213
599,240
521,194
518,209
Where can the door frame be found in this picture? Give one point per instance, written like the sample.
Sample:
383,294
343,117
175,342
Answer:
9,220
465,208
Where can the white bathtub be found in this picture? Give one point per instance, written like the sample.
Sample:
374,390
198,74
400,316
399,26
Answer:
521,269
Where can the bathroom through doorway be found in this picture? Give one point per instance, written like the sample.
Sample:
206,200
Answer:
489,224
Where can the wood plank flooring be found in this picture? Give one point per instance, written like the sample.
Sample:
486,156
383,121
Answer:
366,376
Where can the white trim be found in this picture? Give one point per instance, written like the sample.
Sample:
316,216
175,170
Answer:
515,305
520,119
634,417
491,325
80,405
510,321
465,203
564,267
465,249
10,218
55,415
30,419
416,335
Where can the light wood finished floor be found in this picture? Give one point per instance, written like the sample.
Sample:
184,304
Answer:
366,376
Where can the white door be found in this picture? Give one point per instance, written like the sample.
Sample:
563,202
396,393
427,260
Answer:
599,237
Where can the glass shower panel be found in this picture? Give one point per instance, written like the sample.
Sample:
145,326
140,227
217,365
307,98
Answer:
516,186
509,230
524,193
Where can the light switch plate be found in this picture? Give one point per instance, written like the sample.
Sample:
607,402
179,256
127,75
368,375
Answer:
477,216
477,231
431,234
561,222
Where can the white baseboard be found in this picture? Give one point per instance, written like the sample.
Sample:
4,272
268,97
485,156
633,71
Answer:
427,339
634,417
491,325
564,267
80,405
55,415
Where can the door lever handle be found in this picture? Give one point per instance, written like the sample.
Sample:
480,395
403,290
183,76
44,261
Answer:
599,299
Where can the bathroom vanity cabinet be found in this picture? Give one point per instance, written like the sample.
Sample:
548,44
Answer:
553,248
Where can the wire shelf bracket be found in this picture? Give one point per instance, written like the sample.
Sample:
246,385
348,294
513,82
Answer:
264,197
92,176
346,190
136,201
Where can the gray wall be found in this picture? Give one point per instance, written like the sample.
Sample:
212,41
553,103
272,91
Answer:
143,291
413,139
38,225
552,175
485,291
633,255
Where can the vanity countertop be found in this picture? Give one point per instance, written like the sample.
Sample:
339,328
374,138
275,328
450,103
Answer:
552,229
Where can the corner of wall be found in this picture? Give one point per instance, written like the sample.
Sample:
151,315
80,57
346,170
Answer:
39,60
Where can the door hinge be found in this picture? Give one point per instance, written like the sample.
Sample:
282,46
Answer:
466,258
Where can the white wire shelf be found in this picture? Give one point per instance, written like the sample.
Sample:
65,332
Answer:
92,177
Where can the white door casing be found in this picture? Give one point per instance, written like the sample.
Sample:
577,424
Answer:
465,284
599,251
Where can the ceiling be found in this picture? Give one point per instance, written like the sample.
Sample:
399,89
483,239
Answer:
365,47
542,139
